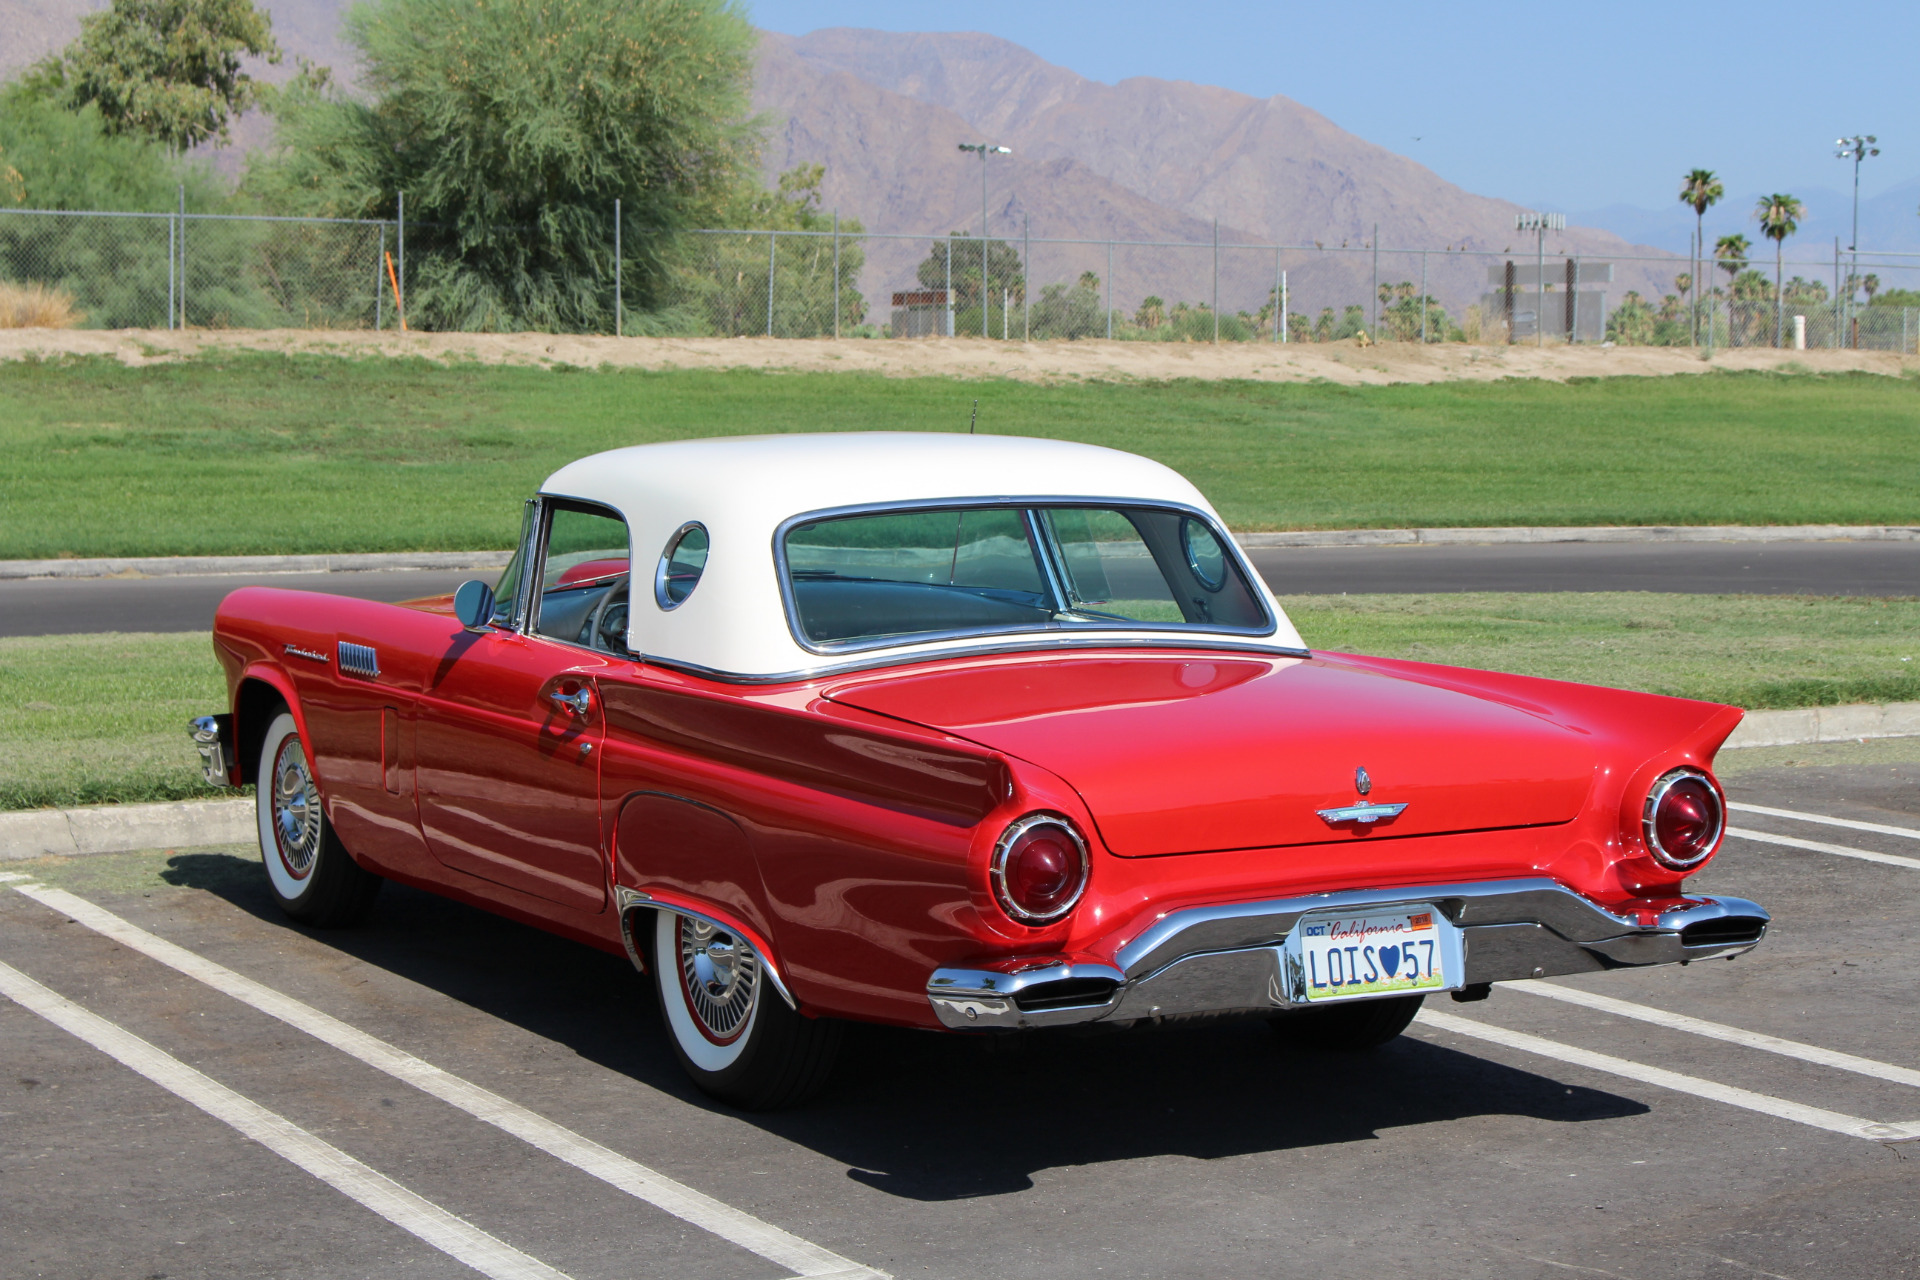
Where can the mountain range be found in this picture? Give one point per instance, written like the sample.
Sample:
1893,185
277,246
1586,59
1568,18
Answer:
1142,160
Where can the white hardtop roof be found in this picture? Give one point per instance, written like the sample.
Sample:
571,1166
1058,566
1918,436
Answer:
742,488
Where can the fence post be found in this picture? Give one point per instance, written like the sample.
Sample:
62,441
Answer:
1283,306
183,256
1424,308
1216,282
171,253
1109,306
1376,283
618,327
400,234
949,332
1026,278
836,273
379,290
1279,306
773,239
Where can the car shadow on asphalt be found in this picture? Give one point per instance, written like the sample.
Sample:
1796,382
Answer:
927,1116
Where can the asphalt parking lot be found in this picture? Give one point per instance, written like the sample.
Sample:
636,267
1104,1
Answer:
195,1088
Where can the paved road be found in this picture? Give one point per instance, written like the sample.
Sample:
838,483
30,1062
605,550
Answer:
63,607
1185,1151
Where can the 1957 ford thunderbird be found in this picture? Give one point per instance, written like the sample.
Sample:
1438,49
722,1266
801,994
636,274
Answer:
964,732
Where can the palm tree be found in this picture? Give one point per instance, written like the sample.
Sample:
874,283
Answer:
1701,190
1779,217
1732,252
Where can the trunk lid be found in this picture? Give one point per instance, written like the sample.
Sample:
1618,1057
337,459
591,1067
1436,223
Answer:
1192,753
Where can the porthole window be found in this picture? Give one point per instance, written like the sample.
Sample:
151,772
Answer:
1205,556
681,565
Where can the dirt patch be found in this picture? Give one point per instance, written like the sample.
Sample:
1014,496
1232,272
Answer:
1341,362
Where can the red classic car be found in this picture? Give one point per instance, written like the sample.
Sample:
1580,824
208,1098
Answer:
960,732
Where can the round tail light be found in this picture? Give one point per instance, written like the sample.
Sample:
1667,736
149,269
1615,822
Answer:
1683,819
1039,868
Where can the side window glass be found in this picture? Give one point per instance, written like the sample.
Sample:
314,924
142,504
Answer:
583,580
681,565
506,593
1110,571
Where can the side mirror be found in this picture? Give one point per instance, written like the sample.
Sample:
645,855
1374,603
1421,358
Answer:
473,605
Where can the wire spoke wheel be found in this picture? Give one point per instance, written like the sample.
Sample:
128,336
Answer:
296,810
720,975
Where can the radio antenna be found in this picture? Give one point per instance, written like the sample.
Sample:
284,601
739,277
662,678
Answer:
974,421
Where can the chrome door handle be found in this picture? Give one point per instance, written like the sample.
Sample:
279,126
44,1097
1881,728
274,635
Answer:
578,703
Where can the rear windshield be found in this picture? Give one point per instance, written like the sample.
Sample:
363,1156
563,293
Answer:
876,579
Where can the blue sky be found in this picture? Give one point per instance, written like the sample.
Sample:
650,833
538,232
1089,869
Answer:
1560,107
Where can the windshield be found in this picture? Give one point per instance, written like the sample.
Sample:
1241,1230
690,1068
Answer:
881,578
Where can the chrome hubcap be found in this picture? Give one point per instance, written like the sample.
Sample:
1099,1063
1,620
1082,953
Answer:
720,974
296,810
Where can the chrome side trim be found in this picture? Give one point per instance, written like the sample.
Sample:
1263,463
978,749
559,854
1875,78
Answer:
626,900
213,739
311,655
1036,643
1232,958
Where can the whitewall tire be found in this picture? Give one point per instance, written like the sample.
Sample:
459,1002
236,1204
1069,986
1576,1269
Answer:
309,872
730,1028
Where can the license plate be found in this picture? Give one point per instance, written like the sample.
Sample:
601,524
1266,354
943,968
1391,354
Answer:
1373,953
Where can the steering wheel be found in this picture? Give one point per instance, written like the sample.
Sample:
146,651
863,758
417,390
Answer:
606,630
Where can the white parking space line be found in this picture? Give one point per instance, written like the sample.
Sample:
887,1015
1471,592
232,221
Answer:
1816,846
1780,1108
763,1238
1719,1031
1797,816
451,1235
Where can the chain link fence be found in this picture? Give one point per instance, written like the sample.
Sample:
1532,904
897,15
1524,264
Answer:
172,270
168,270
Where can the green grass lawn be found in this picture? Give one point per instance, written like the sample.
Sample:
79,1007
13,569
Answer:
91,719
263,453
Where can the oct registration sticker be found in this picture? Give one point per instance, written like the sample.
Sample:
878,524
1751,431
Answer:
1412,949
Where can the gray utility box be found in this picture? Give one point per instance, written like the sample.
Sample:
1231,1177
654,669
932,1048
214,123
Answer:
1573,306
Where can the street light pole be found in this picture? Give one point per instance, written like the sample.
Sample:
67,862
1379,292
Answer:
985,149
1539,224
1856,149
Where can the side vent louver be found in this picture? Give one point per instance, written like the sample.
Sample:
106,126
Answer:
359,660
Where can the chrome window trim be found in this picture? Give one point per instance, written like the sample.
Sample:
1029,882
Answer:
994,644
1658,792
1193,565
1025,503
997,868
666,559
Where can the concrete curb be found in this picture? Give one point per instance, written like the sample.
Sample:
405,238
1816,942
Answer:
1594,533
200,566
123,828
188,824
1827,724
385,561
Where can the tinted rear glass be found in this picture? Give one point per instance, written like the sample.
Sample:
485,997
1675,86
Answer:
877,578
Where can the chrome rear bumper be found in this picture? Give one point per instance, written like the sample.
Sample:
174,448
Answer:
1230,959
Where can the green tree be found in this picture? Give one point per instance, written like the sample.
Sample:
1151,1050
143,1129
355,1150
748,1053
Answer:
512,127
723,278
1779,217
167,69
1005,283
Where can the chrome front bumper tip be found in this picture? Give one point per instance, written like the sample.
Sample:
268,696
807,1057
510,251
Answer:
1214,961
213,739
